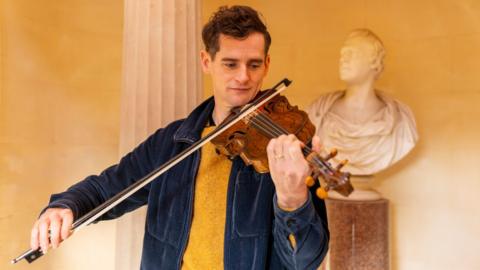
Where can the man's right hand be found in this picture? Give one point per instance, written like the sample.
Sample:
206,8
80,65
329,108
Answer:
53,226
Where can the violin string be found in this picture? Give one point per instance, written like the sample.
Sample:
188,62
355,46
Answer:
268,123
268,126
263,121
280,130
265,124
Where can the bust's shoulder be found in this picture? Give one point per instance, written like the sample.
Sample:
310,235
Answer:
396,105
328,96
324,102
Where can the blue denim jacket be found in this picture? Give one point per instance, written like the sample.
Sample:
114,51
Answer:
256,230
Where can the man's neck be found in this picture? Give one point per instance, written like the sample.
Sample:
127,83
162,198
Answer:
219,114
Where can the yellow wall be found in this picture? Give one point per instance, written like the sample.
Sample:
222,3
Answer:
60,79
60,74
433,61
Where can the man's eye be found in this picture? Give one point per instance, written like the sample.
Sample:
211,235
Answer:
255,66
230,65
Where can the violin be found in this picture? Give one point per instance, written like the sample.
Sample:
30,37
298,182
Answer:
245,133
249,138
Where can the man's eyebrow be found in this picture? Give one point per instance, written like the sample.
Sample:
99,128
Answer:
226,59
255,60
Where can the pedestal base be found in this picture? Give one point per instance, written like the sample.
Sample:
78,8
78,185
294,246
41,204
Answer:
358,234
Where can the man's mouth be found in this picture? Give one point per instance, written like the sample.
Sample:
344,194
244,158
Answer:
239,88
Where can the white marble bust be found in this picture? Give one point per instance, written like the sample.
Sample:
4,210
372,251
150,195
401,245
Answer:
366,126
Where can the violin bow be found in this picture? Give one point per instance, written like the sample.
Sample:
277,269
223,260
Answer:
32,255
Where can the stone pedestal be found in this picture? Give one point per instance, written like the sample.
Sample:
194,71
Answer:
358,234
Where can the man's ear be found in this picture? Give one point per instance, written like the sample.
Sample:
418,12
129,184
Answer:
267,64
206,61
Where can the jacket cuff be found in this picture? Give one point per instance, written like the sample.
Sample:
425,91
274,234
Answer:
56,201
294,221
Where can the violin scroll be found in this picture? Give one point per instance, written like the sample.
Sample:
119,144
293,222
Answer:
334,178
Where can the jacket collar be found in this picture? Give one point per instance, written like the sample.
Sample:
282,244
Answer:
191,128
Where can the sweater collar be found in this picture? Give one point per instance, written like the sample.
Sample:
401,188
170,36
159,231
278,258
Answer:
191,129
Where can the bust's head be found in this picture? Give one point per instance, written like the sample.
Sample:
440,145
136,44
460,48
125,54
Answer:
361,57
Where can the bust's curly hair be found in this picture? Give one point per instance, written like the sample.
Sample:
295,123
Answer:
377,45
235,21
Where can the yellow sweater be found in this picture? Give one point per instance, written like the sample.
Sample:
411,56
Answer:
205,243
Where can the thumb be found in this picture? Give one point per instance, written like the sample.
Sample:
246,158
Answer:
316,144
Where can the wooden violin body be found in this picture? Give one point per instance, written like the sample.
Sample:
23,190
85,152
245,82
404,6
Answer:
250,143
249,139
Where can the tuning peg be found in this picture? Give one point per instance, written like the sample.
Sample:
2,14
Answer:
341,164
310,181
332,154
321,193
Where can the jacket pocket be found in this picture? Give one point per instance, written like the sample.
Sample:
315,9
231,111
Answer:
167,209
252,204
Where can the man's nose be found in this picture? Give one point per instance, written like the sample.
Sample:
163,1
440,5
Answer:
243,75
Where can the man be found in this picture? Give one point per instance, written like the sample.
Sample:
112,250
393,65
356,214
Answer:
208,212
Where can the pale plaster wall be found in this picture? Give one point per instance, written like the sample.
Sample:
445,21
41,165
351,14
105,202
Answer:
59,100
60,79
432,64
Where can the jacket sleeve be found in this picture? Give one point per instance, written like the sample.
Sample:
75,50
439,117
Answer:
96,189
309,227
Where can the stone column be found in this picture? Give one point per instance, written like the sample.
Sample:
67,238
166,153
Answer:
161,82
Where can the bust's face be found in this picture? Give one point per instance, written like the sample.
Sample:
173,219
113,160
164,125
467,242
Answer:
356,61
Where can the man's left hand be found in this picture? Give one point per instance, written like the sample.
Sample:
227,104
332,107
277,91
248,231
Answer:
289,169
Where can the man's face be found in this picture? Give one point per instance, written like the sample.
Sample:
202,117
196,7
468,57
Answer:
356,61
238,69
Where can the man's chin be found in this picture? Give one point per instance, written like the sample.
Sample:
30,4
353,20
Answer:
242,97
238,102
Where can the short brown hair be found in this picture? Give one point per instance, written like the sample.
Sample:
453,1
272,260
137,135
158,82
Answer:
235,21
